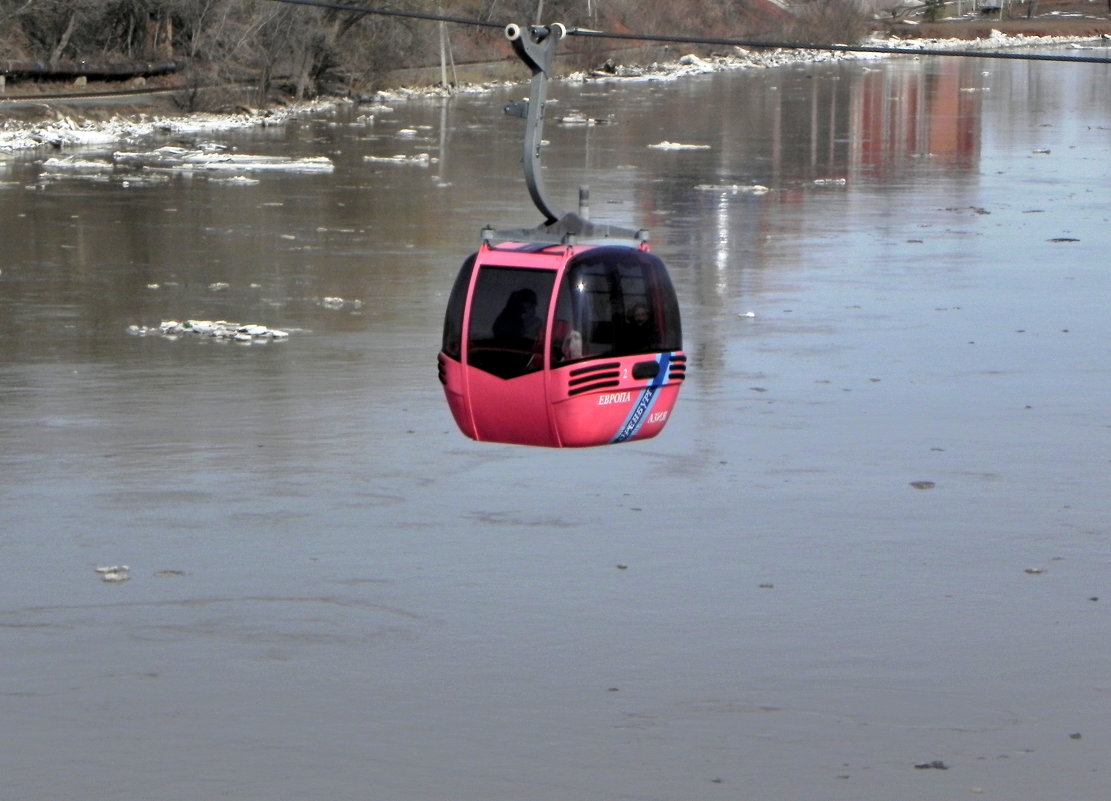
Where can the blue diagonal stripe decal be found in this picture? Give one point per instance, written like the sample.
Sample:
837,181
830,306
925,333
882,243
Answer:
644,403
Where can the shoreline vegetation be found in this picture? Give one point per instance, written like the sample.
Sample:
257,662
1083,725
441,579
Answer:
80,113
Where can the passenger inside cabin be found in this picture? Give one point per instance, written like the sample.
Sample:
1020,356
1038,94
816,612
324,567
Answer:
640,332
572,346
519,320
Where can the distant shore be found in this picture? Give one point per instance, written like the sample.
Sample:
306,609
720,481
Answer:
100,115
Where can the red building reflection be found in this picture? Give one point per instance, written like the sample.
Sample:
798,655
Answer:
899,115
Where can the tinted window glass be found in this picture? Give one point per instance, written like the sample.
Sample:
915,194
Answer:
508,315
453,318
614,302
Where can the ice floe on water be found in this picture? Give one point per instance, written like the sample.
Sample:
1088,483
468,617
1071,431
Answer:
760,189
248,163
734,189
75,164
418,159
236,180
336,304
177,159
154,167
67,133
114,574
247,333
666,145
577,118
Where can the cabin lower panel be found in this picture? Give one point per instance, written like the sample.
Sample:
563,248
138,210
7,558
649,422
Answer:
510,410
453,379
557,409
602,418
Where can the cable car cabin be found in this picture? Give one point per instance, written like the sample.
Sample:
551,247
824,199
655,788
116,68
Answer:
562,345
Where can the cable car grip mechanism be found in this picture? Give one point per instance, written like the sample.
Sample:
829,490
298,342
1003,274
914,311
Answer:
535,45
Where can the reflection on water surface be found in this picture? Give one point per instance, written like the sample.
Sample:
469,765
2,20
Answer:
331,590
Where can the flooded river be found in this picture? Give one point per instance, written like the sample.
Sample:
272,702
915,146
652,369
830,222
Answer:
869,558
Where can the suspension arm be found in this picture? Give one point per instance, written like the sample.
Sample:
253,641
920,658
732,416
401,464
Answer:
535,45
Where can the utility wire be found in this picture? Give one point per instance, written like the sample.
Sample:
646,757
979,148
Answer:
712,42
838,48
384,12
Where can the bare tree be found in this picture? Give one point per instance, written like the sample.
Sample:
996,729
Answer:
828,22
343,48
46,27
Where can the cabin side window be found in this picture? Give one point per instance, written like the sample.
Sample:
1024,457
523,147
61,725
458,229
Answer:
509,311
456,305
615,302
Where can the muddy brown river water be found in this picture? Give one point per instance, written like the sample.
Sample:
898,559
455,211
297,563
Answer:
869,558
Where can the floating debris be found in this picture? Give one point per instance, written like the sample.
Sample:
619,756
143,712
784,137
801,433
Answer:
206,161
340,303
114,574
70,133
923,485
237,180
67,133
666,145
734,189
578,118
152,166
170,573
418,160
76,164
218,329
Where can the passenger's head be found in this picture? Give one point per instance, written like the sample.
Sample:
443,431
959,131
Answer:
523,300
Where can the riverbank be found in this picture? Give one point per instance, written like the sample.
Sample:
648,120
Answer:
1070,18
93,115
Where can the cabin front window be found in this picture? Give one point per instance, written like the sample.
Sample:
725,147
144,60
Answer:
615,302
509,308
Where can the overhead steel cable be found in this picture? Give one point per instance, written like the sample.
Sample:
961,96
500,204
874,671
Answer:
753,44
834,48
388,12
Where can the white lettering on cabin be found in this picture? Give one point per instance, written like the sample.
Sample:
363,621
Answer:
657,417
609,398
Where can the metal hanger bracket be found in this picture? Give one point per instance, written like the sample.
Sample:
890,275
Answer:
535,45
